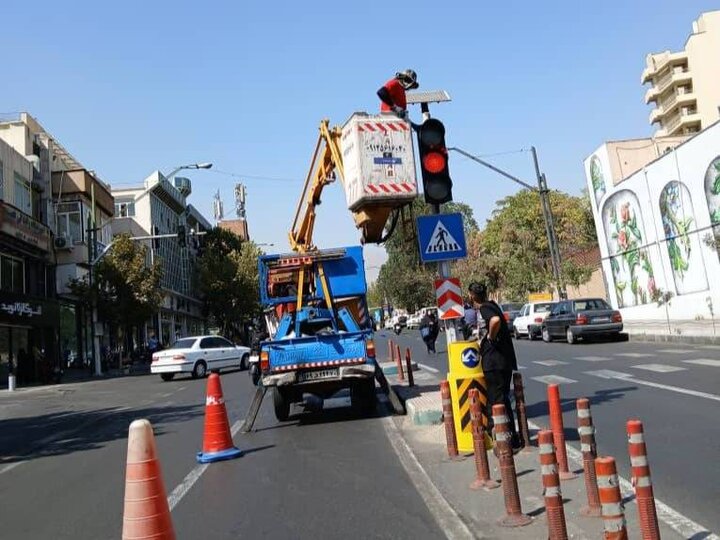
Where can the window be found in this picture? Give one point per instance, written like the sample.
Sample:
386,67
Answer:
23,196
543,308
69,220
12,274
587,305
207,343
183,344
124,209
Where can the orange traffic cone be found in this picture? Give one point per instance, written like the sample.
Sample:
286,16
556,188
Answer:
217,440
146,514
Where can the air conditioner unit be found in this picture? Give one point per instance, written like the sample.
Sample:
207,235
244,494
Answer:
62,242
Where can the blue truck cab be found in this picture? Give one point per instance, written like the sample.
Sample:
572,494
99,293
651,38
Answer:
321,337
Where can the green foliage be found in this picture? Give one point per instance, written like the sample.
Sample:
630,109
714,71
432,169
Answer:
228,280
716,183
126,290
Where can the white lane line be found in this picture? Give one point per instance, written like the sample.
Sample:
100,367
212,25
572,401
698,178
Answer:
634,354
553,379
550,362
675,351
609,374
446,517
704,362
11,466
193,476
593,358
679,523
429,368
659,368
713,347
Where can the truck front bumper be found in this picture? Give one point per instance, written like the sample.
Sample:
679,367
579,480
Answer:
361,371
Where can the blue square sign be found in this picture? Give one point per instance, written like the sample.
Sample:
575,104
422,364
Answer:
441,237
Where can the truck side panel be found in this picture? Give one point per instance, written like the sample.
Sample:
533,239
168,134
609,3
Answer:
317,351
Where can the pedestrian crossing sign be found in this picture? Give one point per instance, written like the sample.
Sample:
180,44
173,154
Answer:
441,237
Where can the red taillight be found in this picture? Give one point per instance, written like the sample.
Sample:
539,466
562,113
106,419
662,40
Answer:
370,348
581,319
264,361
178,357
154,357
506,314
616,317
538,319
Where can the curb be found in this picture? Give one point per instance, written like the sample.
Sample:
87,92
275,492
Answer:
423,409
674,338
390,368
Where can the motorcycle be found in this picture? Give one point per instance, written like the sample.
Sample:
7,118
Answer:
397,327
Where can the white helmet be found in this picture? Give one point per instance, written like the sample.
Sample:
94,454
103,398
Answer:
408,79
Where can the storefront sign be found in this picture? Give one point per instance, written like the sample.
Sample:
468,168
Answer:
22,309
19,225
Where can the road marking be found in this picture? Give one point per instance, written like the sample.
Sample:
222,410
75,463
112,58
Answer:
11,466
713,347
553,379
634,354
675,351
446,517
704,362
428,368
550,362
423,377
659,368
593,358
679,523
193,476
608,374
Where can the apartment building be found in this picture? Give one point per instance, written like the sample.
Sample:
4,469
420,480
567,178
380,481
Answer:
160,207
684,84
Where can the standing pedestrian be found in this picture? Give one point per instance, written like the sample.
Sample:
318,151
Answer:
497,353
429,331
469,324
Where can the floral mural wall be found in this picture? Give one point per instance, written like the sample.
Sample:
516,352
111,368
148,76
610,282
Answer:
632,271
597,179
683,246
712,194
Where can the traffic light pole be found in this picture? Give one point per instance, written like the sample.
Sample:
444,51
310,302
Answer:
544,194
443,266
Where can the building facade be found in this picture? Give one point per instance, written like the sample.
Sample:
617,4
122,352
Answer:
659,235
159,207
683,84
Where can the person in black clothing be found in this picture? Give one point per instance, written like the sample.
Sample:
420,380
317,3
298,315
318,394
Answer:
429,331
498,354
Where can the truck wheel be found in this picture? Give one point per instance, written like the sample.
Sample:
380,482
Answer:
254,374
281,404
362,396
167,376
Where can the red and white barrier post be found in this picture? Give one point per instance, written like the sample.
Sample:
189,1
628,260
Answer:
613,511
641,481
556,424
448,421
557,529
586,431
482,467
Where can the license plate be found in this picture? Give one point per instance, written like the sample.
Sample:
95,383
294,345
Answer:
601,319
318,374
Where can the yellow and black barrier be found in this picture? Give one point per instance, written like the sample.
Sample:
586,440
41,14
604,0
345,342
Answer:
465,373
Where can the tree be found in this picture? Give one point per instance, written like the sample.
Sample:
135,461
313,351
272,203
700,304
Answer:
512,251
125,290
228,280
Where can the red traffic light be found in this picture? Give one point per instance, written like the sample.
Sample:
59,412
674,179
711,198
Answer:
434,162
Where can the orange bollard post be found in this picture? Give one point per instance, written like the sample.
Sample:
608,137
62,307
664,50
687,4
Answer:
391,351
641,480
482,467
399,363
557,529
217,439
556,424
613,511
408,365
520,411
146,514
586,431
450,437
503,444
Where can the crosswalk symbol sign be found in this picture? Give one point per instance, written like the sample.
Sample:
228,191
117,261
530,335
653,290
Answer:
441,237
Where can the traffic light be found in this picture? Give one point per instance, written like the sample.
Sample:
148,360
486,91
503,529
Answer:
181,235
434,162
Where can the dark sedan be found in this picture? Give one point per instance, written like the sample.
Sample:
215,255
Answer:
511,311
581,318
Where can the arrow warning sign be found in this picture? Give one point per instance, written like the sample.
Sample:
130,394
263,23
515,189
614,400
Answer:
441,241
449,298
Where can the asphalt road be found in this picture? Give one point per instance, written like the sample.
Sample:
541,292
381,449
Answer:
321,475
672,388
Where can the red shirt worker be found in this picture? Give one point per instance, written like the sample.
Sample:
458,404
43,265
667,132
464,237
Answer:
392,93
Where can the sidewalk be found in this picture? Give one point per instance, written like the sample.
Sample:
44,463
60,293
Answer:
481,509
697,332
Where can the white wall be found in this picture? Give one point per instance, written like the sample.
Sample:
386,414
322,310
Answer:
662,209
12,162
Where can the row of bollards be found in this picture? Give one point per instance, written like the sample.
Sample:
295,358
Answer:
604,498
395,355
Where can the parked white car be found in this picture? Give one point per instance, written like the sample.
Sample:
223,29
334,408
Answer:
413,321
198,355
529,322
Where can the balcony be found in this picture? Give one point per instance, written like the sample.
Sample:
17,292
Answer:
658,62
664,82
677,123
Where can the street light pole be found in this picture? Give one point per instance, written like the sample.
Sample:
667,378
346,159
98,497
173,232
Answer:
544,194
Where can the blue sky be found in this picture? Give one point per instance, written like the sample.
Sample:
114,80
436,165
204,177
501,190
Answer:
130,87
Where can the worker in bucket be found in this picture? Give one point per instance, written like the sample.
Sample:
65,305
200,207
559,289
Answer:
392,93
